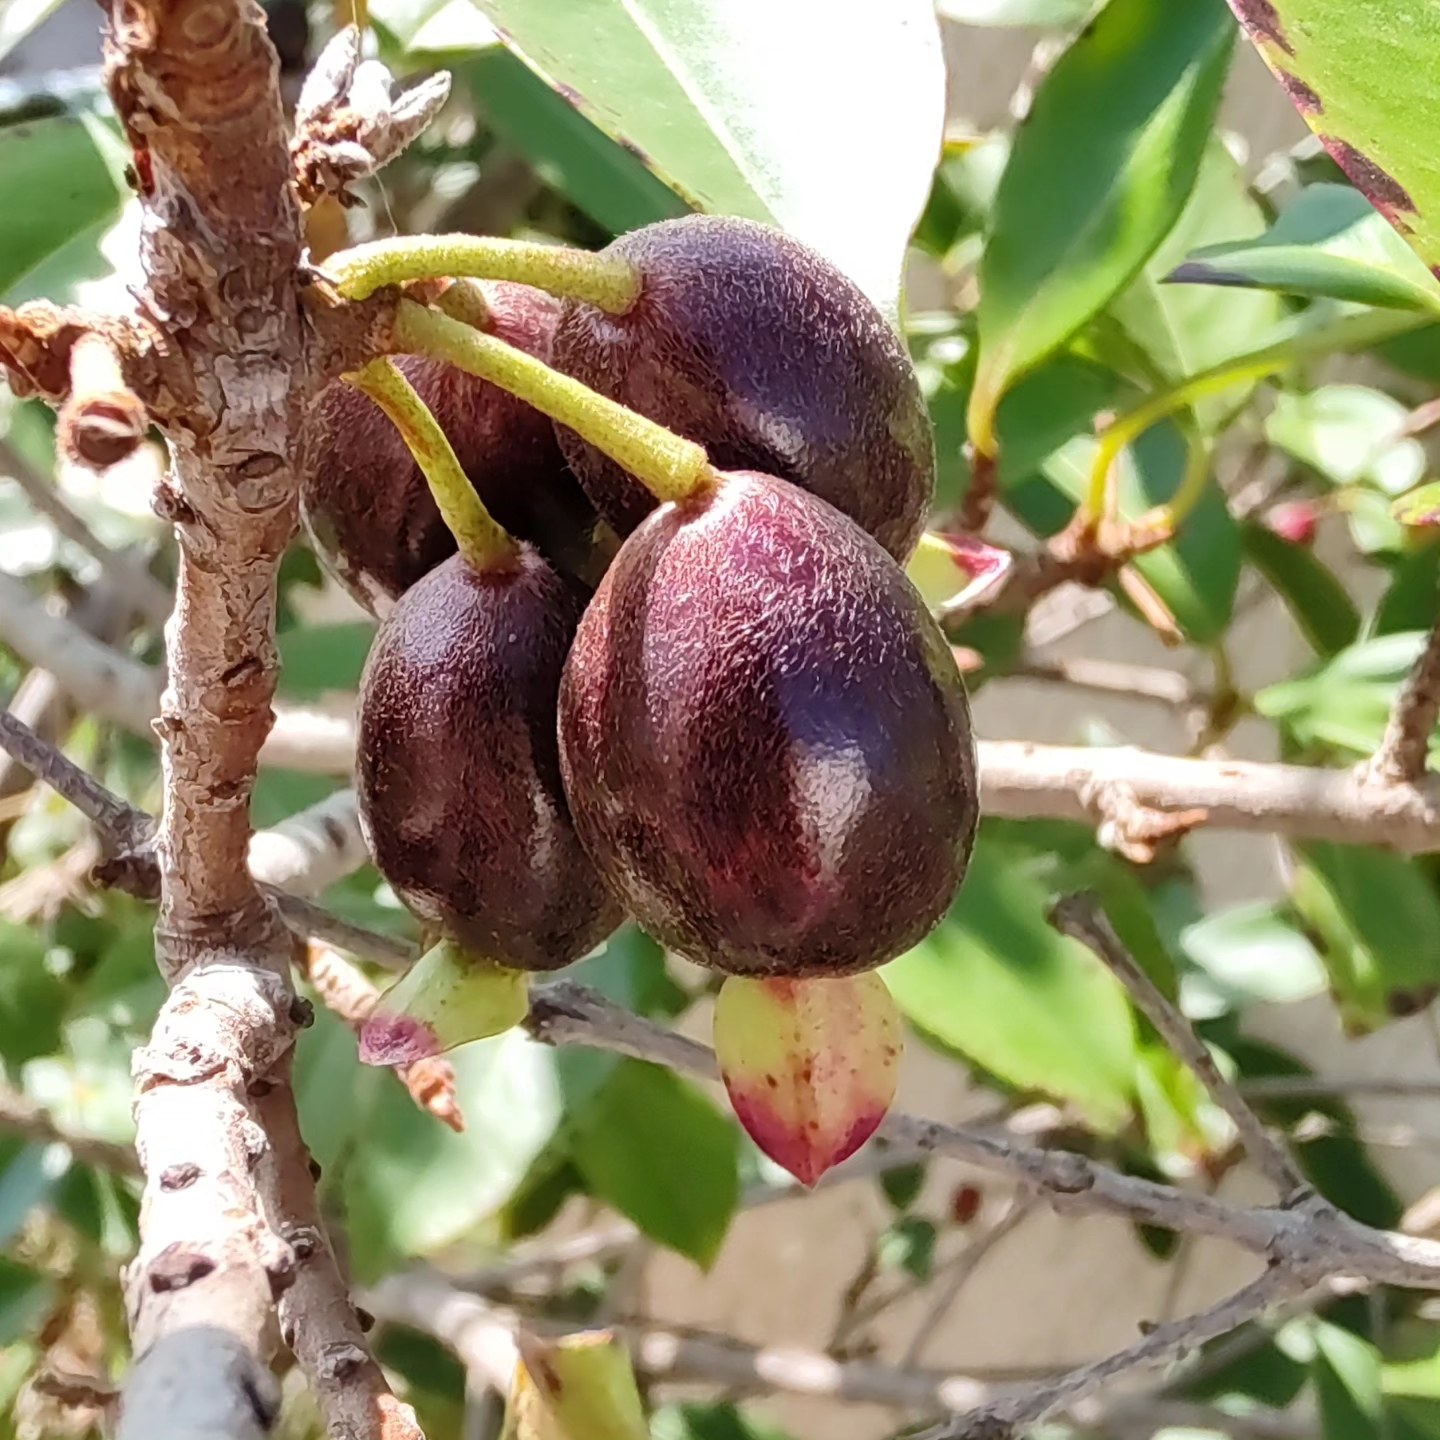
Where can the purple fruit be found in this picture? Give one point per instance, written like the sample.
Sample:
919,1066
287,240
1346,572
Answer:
753,345
367,507
458,775
765,741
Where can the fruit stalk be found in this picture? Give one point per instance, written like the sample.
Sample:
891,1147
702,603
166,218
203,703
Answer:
606,281
670,467
484,543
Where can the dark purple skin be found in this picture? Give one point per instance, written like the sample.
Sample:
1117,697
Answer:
365,503
753,345
458,774
765,740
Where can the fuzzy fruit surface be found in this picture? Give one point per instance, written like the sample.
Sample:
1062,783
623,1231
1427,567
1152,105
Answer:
749,343
765,740
457,769
365,503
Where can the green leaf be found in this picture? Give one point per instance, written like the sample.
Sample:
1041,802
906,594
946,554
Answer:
656,1148
412,1186
1362,79
1251,954
1377,921
25,1299
1347,1374
1320,604
908,1244
1344,703
317,660
569,153
434,26
1348,434
752,108
1409,602
902,1185
70,160
1183,330
1049,13
995,983
1330,243
32,999
1135,95
695,1420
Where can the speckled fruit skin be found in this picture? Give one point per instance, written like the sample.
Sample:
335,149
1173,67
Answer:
753,345
457,770
765,740
365,504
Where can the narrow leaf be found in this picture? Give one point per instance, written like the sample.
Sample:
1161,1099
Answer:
1362,77
1099,173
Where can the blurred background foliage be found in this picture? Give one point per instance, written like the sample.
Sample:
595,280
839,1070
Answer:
1041,305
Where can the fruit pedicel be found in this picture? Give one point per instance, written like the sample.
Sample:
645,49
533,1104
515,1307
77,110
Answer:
764,742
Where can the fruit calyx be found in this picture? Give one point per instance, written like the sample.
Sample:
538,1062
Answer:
606,281
810,1065
447,998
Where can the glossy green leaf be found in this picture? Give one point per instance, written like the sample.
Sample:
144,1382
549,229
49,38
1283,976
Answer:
1135,96
1377,921
1362,77
755,109
411,1186
71,160
656,1148
1048,13
582,162
1350,434
1320,605
1344,703
1330,243
1347,1375
1183,330
997,984
1409,601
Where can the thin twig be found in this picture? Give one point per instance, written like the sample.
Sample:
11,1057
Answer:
1081,918
1405,747
1011,1416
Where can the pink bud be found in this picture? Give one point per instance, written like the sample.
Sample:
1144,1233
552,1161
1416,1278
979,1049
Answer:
1293,521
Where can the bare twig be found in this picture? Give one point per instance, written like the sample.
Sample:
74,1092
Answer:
127,577
101,422
1405,746
1081,918
113,686
312,849
1012,1415
1112,677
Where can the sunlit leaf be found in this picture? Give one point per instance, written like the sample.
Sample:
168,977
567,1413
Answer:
755,109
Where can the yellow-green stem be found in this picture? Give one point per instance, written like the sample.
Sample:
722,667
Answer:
482,542
1350,332
606,281
670,467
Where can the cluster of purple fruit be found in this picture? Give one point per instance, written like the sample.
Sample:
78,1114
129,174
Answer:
751,737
